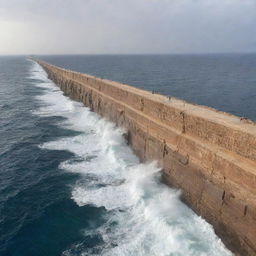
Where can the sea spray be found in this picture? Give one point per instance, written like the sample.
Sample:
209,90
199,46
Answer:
144,216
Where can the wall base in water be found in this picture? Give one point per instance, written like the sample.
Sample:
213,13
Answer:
209,154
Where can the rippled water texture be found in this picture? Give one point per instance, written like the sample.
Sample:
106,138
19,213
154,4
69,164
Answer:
223,81
71,186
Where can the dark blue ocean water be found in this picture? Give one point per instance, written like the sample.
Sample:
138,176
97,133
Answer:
223,81
37,216
69,185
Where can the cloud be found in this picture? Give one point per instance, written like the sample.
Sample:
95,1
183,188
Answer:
120,26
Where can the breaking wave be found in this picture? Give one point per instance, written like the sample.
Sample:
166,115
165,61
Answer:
144,216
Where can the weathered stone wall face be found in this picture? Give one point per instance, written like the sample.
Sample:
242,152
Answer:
209,154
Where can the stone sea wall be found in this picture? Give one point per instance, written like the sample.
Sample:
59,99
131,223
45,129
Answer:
210,155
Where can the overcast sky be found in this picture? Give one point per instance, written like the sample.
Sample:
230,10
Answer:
127,26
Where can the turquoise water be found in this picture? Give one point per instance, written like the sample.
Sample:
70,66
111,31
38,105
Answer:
69,185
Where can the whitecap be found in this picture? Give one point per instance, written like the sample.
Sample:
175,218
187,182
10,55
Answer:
145,217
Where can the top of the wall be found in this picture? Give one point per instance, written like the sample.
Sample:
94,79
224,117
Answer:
205,121
200,110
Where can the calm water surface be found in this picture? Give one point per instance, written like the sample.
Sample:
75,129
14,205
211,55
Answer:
226,82
69,185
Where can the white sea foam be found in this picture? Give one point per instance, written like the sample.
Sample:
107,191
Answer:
145,216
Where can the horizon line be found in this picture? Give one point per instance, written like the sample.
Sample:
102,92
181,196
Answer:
123,54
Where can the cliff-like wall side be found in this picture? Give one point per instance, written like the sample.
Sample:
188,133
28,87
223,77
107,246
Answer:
208,154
